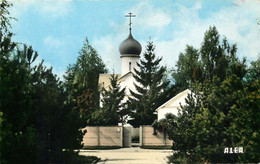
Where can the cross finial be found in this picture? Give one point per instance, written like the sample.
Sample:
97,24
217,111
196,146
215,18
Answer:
130,23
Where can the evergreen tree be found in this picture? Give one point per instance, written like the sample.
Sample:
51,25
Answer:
253,72
150,88
219,58
113,110
188,68
215,58
57,125
81,81
35,123
224,111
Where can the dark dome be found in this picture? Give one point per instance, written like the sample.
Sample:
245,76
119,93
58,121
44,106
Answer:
130,46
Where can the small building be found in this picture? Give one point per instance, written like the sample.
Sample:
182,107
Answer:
172,105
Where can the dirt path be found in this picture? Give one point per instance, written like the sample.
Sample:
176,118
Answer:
133,155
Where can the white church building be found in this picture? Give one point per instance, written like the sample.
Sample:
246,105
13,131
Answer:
130,50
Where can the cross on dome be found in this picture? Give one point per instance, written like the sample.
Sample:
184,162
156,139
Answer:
130,22
130,46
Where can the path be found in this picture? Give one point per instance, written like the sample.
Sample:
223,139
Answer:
134,155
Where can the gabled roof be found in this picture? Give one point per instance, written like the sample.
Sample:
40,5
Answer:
125,76
104,79
175,101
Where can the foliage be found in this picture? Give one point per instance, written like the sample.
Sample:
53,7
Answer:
112,110
150,88
81,81
5,17
215,58
253,72
37,126
187,67
222,111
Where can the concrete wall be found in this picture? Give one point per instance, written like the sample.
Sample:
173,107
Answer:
148,139
103,136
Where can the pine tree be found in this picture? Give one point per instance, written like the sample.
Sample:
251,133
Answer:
112,111
150,88
215,58
224,112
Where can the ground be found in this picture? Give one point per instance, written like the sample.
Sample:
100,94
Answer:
134,155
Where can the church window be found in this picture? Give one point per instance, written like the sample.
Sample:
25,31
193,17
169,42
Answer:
130,66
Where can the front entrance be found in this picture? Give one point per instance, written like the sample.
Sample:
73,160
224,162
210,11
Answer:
130,136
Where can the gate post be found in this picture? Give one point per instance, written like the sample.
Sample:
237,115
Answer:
122,136
98,131
127,136
141,136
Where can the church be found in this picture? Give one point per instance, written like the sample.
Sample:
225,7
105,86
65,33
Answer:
130,50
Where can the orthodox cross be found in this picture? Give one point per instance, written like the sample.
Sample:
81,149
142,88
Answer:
130,15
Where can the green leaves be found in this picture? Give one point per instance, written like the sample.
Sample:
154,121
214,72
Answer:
225,111
83,76
214,58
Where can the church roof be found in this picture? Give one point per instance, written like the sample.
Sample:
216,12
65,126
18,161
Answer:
176,100
104,79
130,47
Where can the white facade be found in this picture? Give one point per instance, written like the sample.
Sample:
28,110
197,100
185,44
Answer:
128,63
172,105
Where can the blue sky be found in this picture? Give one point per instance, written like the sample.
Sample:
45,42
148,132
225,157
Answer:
57,28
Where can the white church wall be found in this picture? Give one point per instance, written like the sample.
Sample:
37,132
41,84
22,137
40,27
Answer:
128,83
125,64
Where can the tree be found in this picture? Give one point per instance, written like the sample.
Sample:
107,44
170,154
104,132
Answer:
112,110
219,115
253,72
188,68
219,59
81,80
58,125
150,88
5,17
16,128
215,58
37,124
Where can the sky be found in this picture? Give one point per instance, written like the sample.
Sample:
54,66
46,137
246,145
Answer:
56,29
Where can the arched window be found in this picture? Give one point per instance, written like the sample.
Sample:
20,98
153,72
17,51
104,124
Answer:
130,66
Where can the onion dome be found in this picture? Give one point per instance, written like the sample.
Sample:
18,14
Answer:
130,47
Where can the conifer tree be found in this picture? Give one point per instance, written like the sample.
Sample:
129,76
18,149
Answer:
224,112
150,88
112,111
81,81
